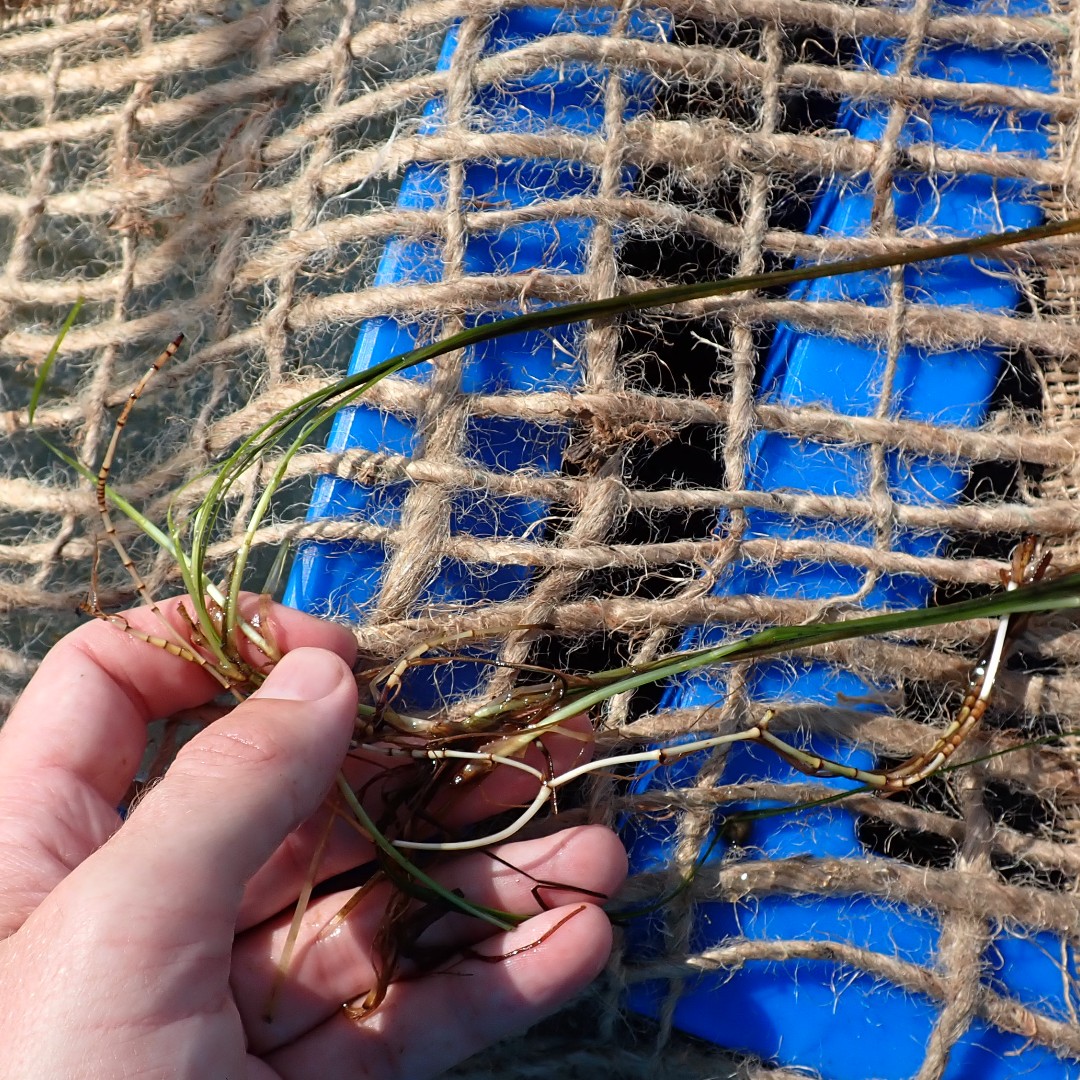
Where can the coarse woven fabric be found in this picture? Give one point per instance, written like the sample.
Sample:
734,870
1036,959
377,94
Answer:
229,170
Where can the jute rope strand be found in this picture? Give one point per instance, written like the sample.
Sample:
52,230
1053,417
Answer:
425,517
1060,376
962,939
232,171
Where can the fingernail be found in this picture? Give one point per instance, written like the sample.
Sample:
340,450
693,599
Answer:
303,675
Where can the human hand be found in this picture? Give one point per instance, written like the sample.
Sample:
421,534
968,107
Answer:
148,948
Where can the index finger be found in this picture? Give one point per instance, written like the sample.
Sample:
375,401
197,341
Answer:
76,737
84,715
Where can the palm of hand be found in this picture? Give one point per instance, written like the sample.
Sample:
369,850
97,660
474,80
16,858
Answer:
151,948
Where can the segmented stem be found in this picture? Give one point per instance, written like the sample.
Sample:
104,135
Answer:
106,468
176,646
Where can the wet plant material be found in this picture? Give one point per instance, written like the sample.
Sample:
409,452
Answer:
420,766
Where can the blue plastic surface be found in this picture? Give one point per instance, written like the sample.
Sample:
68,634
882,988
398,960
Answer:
344,578
816,1014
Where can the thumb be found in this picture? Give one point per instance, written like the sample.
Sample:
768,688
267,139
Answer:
236,791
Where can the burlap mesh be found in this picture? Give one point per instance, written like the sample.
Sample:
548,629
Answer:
229,170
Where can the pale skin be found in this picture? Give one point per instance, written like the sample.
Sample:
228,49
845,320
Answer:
148,948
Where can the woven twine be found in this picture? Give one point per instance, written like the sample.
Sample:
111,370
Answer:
230,171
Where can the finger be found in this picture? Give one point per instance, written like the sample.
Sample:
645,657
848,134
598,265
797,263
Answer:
277,884
327,969
74,740
85,711
232,795
427,1026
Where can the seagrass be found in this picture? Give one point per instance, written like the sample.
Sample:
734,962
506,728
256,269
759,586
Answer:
230,171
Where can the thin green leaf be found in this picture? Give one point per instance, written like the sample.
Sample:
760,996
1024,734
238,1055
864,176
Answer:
502,920
50,359
1060,593
315,408
121,504
276,575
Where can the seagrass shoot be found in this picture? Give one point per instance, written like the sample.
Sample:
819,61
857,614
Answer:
432,757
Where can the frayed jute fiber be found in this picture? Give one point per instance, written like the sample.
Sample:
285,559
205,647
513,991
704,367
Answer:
230,170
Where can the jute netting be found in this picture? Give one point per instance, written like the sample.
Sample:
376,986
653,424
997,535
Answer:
232,171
